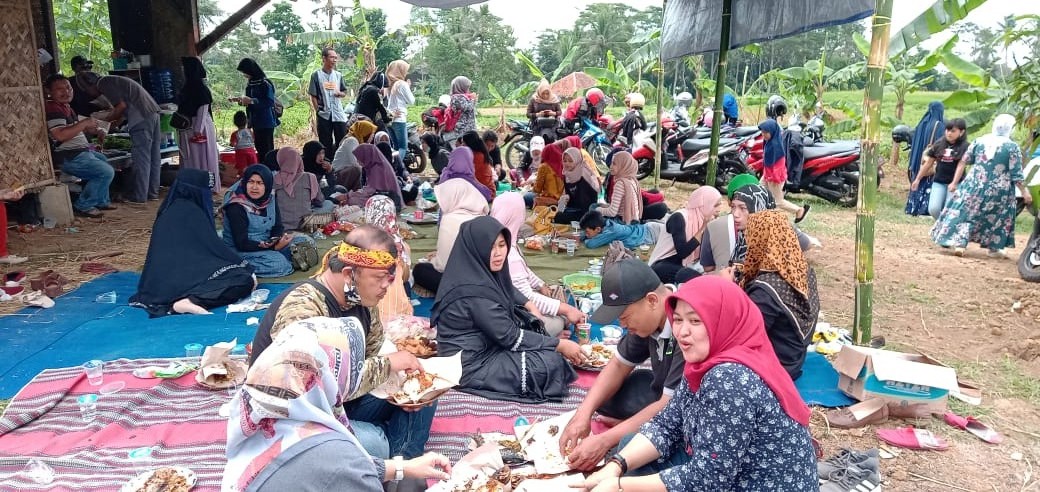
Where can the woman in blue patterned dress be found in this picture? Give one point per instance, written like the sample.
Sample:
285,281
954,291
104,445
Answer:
738,415
982,209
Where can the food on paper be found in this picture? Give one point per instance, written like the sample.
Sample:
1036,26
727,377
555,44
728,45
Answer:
165,479
417,345
596,355
535,243
413,387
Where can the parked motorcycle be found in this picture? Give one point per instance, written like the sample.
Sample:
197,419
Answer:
517,143
1029,259
830,170
595,141
689,161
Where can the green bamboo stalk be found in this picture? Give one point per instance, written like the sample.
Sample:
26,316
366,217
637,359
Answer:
660,107
866,207
720,91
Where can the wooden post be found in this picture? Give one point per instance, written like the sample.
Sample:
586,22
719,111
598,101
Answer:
720,91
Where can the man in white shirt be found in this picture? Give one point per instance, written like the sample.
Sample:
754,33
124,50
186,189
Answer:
326,89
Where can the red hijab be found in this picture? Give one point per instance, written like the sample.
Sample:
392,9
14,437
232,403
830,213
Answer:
553,156
737,334
574,140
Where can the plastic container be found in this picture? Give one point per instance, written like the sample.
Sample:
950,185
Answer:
106,298
260,296
88,407
582,279
193,350
95,370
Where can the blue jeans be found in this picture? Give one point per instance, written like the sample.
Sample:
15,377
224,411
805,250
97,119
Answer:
406,432
938,199
399,137
372,438
94,169
678,458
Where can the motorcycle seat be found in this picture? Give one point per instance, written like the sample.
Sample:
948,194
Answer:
694,145
744,131
824,149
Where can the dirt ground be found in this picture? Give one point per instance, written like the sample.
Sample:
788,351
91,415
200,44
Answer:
958,310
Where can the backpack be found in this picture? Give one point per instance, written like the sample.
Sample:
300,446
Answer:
279,108
451,118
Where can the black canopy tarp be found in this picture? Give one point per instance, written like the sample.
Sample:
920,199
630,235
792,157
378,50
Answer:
443,4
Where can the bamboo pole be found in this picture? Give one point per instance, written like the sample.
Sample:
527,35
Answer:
660,105
866,206
720,91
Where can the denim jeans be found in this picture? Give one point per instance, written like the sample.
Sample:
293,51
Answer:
938,199
372,438
399,137
678,458
93,168
406,432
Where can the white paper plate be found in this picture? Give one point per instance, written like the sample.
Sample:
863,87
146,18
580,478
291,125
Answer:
137,482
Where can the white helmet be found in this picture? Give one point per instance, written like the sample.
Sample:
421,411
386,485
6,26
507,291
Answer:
636,100
684,99
444,100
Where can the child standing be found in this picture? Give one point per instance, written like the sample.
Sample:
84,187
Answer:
774,169
243,142
943,157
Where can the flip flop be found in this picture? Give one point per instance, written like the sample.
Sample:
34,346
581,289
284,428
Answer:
15,277
911,438
12,290
972,425
805,212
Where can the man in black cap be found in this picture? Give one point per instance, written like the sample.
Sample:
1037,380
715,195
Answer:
82,103
634,295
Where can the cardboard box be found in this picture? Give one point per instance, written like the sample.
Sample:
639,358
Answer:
899,378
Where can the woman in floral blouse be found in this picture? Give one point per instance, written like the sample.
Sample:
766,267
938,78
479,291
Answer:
738,416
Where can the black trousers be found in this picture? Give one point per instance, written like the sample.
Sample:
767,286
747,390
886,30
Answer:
633,396
263,139
426,276
568,215
330,133
655,211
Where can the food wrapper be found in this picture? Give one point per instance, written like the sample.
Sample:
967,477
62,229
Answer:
541,444
404,390
475,470
218,370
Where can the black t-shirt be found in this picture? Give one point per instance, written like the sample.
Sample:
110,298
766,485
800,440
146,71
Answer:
666,361
946,157
496,156
581,194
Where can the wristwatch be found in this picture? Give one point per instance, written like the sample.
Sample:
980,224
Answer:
398,468
621,462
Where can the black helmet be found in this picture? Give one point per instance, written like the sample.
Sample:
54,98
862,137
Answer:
776,107
902,134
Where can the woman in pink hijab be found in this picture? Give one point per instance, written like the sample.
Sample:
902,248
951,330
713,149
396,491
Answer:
680,247
297,192
379,177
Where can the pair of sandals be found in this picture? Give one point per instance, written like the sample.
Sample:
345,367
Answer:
51,283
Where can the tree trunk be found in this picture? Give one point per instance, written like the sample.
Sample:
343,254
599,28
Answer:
720,90
867,203
899,109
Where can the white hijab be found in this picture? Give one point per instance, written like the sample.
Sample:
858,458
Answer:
1002,127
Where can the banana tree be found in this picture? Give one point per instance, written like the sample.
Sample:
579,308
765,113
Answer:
526,89
361,37
937,18
616,78
497,99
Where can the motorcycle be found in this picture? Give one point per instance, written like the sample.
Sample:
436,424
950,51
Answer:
689,161
415,160
830,170
517,143
1029,259
595,141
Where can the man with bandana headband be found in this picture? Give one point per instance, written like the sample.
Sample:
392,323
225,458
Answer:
354,276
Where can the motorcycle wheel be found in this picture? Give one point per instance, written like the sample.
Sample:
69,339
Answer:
1029,260
726,171
415,159
599,152
514,152
645,168
848,200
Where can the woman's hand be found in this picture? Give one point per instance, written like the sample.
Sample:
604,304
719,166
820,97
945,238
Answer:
728,273
605,479
12,195
429,465
915,185
952,187
544,290
284,241
571,351
573,315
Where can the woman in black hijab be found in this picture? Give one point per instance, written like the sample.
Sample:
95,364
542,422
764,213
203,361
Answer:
188,268
370,100
259,102
315,163
474,314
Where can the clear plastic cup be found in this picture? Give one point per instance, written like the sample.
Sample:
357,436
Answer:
259,296
95,370
571,246
584,331
141,459
106,298
88,407
193,350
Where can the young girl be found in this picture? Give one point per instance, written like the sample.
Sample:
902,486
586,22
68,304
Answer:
774,171
243,142
943,156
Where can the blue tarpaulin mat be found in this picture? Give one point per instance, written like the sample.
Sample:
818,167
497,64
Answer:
818,383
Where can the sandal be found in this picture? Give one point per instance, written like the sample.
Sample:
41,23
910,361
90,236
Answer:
35,298
15,277
911,438
805,212
972,425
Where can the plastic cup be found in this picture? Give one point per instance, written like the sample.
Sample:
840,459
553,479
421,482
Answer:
106,298
141,459
584,331
88,407
260,296
193,350
95,371
644,252
571,246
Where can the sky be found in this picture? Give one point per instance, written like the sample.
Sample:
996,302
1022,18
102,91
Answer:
528,18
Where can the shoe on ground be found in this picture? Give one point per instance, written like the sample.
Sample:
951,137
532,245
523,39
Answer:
35,298
866,460
92,213
845,418
107,208
997,253
853,479
13,260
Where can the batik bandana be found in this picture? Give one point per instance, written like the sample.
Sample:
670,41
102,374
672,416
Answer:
361,258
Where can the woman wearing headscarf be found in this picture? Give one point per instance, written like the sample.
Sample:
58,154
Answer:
779,280
314,162
774,168
253,227
573,142
459,203
483,169
548,183
474,314
436,150
738,415
297,191
983,206
369,101
509,210
344,163
580,188
680,247
259,102
543,110
525,174
462,112
460,166
288,430
188,269
378,175
408,192
198,143
397,103
928,131
626,198
380,212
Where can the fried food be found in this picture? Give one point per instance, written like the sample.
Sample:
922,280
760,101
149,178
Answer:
535,243
596,355
418,345
165,480
583,286
414,385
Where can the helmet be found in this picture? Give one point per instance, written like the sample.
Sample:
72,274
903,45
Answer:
776,107
636,100
684,99
595,96
902,134
444,100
